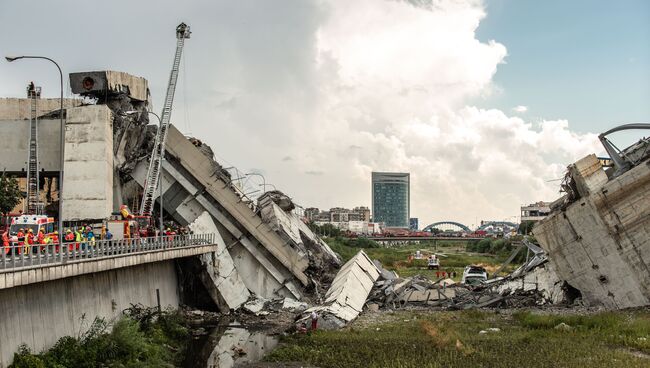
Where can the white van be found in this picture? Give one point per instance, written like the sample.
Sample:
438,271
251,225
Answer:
474,275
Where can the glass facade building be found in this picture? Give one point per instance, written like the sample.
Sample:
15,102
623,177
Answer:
391,198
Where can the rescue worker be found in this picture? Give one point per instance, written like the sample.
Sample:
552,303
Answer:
54,239
30,241
79,237
40,238
314,320
21,236
170,234
124,211
69,238
90,236
5,242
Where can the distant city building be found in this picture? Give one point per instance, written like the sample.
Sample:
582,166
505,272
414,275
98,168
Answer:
311,214
356,220
414,224
324,216
535,212
357,227
391,198
360,214
338,214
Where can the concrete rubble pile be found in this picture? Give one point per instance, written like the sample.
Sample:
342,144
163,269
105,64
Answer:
532,284
276,209
347,295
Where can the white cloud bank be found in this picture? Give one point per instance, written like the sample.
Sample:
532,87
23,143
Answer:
520,109
383,85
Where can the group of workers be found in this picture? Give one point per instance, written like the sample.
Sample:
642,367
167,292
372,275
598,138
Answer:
75,238
27,241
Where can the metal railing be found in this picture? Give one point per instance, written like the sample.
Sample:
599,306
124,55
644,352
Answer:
28,256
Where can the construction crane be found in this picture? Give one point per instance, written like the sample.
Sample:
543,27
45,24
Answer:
155,162
32,204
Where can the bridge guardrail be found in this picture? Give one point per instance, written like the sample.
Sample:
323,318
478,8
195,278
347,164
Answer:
19,256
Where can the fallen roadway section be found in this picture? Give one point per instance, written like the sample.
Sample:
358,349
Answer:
347,295
270,260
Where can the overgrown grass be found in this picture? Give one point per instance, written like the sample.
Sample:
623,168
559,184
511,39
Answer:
142,340
452,339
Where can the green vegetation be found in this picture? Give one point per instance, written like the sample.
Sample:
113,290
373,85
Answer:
10,194
453,256
452,339
500,247
142,338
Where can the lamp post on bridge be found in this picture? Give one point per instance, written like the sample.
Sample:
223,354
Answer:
61,135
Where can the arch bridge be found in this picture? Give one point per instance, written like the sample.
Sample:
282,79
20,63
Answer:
499,226
447,226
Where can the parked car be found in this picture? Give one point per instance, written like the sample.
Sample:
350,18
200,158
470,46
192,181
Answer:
474,275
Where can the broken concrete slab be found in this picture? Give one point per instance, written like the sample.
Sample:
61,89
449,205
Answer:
255,305
348,293
384,273
102,83
293,305
219,275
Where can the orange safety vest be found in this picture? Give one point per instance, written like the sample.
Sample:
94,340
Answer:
30,238
5,242
19,235
41,238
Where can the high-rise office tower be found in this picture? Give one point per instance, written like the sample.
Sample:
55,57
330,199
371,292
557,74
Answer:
391,198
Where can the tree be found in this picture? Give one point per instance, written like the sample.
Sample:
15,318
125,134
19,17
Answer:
10,194
526,227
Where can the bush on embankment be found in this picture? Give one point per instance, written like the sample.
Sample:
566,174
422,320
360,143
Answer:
142,338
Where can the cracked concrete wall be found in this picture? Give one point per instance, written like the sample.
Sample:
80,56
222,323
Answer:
218,273
14,152
88,172
600,244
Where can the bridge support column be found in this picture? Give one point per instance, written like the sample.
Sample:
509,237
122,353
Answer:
218,273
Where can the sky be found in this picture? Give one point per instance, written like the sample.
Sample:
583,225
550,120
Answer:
483,102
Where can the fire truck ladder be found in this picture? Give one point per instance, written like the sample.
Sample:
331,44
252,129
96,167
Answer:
32,204
155,162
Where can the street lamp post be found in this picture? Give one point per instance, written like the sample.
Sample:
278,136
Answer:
162,155
61,136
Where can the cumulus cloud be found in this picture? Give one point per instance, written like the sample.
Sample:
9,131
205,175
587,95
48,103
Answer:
383,86
316,94
520,109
